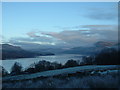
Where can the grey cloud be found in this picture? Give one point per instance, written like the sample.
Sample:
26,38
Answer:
35,40
41,39
93,34
103,13
74,38
35,36
69,38
106,31
32,34
28,45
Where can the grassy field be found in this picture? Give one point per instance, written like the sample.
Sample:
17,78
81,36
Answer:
104,76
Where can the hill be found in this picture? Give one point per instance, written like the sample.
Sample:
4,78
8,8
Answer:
12,52
98,46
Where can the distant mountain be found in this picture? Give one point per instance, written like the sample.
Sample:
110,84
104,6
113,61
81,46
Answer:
108,44
98,46
11,52
47,50
105,44
83,50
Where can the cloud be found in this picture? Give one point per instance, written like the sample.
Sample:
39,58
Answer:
74,38
39,40
102,13
93,34
107,32
38,37
32,34
35,40
87,36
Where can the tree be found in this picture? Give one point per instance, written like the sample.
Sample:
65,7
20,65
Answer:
108,56
4,72
87,60
42,66
16,69
56,65
71,63
30,70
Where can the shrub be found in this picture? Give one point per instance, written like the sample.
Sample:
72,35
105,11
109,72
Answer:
30,70
4,72
16,69
87,60
90,82
71,63
43,66
56,65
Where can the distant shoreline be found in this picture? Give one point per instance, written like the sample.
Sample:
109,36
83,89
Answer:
27,57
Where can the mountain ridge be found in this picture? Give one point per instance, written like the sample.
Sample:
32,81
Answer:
13,52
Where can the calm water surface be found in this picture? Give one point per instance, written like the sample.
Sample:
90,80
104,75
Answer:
25,62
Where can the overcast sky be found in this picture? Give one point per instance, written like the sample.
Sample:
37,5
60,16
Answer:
67,24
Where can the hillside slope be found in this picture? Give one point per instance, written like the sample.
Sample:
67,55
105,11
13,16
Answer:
65,71
13,52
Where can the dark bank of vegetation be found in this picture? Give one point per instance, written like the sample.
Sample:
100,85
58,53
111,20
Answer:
108,56
40,66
